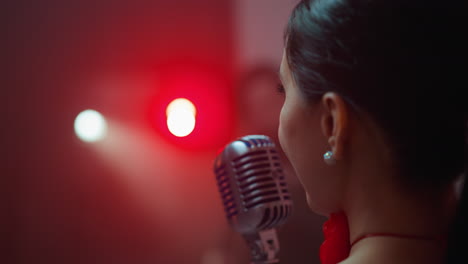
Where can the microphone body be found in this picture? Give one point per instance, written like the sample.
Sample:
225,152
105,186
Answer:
254,193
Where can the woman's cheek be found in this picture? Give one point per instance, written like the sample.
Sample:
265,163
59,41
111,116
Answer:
287,134
282,135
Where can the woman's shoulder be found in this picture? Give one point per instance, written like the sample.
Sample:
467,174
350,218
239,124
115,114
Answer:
392,251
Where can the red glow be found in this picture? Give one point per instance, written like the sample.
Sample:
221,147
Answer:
212,98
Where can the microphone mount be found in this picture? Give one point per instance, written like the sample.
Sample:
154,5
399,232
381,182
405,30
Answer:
264,246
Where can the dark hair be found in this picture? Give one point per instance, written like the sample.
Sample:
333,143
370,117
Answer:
400,61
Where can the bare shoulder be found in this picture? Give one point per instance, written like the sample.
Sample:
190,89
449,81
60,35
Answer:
381,260
390,253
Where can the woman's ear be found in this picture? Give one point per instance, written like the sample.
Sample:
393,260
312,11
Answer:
334,122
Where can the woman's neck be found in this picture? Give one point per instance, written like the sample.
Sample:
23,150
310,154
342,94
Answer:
376,201
384,209
384,250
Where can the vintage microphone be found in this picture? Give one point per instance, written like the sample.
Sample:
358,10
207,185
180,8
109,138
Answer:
253,190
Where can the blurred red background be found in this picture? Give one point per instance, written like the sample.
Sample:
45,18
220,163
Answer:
140,195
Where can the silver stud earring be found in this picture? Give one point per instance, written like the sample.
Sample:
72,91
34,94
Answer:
328,158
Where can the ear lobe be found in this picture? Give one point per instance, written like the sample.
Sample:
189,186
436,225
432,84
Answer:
335,122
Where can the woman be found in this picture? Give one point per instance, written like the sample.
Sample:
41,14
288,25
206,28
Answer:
374,123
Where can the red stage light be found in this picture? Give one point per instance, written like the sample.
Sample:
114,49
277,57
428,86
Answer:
193,108
181,117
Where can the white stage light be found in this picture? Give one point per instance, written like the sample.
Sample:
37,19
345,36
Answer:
90,126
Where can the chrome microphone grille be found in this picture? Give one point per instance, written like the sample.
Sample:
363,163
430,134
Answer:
224,187
252,184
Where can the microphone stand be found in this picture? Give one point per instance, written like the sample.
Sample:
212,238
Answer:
264,246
